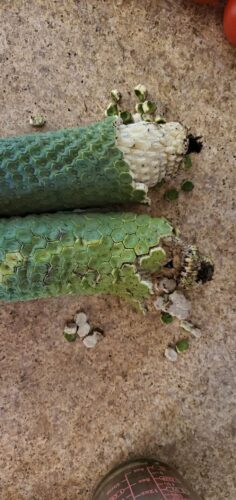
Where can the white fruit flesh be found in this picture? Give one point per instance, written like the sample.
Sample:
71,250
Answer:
153,151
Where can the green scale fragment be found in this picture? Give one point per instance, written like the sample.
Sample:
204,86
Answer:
66,169
70,253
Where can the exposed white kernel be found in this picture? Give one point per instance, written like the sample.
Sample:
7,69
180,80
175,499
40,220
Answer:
152,151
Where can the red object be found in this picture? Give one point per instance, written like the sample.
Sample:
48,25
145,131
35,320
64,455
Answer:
230,21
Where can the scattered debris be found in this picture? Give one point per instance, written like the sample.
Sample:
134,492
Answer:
189,327
196,332
80,318
91,340
70,332
116,95
175,304
112,109
81,328
167,285
139,109
187,162
149,107
146,111
166,318
187,186
84,330
171,303
140,92
171,354
180,307
182,345
126,117
171,194
146,117
159,119
37,121
161,303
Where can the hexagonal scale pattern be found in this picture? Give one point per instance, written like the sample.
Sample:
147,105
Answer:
61,170
69,253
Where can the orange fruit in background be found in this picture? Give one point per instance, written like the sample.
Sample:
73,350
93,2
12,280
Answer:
229,17
230,21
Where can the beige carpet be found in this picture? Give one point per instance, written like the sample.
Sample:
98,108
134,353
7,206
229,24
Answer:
68,414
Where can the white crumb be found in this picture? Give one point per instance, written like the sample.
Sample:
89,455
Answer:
171,354
189,327
180,307
84,330
92,340
80,318
160,304
70,329
167,285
